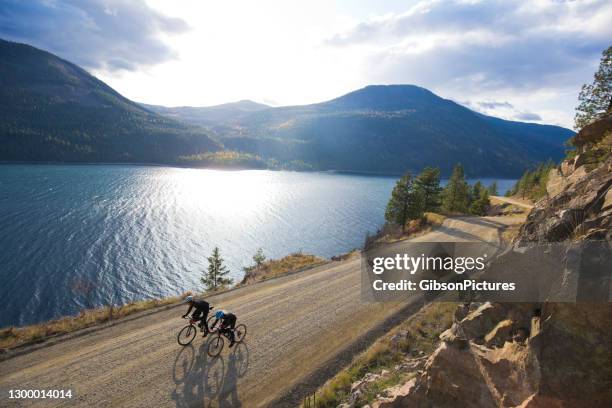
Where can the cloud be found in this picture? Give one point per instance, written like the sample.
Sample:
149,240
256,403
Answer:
529,116
503,109
485,49
494,105
109,35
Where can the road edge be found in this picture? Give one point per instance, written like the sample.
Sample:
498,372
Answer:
35,345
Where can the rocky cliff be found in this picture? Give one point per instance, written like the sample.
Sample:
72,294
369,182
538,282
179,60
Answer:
538,354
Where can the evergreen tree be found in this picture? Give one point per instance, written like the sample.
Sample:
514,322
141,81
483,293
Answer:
259,258
475,192
214,277
456,193
596,98
480,204
532,184
492,189
428,186
404,204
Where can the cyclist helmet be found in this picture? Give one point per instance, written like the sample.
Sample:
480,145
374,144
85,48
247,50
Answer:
219,314
189,299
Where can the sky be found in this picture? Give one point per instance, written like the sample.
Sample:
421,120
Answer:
515,59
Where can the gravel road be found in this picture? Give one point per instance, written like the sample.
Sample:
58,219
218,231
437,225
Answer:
514,201
301,329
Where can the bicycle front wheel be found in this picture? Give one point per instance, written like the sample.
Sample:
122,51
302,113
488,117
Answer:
215,346
186,335
239,332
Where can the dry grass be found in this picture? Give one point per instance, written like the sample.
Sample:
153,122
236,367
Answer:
423,330
14,336
11,337
414,228
434,219
355,253
509,233
499,207
277,267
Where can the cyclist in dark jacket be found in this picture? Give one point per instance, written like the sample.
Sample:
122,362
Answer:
228,323
200,313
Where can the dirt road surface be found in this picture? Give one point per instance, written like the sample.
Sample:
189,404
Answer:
302,328
514,201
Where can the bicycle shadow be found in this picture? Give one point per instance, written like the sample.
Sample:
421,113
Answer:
202,380
237,366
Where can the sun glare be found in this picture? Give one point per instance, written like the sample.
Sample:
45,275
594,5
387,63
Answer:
224,191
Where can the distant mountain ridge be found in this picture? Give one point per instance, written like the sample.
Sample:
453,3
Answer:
387,129
52,110
208,115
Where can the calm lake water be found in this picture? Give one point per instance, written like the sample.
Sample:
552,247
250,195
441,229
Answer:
78,236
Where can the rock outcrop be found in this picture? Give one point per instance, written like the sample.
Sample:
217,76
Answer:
538,354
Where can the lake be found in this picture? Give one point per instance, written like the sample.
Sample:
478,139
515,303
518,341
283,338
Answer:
73,236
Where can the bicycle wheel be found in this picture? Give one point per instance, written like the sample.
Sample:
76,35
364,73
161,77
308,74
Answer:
239,332
186,335
211,319
215,346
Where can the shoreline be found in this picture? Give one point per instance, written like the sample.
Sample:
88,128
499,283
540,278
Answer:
237,168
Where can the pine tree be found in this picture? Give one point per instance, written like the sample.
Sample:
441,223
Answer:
492,189
404,204
596,98
428,186
532,184
259,258
214,277
455,195
475,192
480,205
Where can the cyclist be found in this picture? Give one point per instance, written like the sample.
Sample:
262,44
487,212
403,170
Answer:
228,322
202,308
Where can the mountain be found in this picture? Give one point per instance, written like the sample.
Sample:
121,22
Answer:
52,110
389,129
209,115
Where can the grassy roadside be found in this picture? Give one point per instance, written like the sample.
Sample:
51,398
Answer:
276,267
417,336
12,337
414,228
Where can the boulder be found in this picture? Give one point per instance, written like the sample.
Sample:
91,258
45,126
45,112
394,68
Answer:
500,334
481,321
393,396
451,336
593,133
461,312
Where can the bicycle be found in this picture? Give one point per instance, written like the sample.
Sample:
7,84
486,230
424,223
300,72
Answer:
216,343
187,334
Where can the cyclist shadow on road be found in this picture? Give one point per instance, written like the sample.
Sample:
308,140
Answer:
237,365
205,381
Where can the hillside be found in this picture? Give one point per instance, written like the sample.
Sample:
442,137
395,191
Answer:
208,115
386,129
524,351
52,110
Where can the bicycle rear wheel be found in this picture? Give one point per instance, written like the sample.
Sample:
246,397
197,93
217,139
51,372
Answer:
215,346
239,332
211,319
186,335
